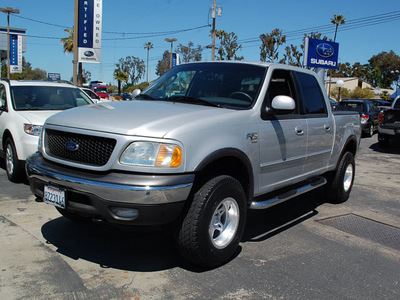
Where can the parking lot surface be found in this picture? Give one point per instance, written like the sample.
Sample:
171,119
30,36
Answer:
305,248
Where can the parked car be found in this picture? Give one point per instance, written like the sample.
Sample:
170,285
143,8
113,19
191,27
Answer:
95,98
126,96
333,103
369,114
389,124
101,91
198,148
24,106
382,104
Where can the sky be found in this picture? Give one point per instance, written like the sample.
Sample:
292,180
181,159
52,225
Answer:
371,27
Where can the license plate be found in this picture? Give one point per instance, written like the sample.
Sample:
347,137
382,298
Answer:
54,196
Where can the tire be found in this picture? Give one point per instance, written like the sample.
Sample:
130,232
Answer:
383,141
213,226
14,169
341,181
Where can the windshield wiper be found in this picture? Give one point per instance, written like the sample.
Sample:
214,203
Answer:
192,100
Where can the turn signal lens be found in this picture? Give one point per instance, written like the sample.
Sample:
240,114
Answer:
169,156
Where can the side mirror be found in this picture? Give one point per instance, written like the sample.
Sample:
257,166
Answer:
136,93
283,103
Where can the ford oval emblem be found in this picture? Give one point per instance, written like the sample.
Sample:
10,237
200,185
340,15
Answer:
71,146
325,50
88,53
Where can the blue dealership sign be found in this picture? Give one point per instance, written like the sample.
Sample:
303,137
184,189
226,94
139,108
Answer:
321,54
89,30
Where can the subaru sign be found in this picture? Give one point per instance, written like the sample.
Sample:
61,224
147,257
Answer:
321,54
89,30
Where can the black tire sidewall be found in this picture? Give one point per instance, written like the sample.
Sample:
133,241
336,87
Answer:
15,176
201,250
336,191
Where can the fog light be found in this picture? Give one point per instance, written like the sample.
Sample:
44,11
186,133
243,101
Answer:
125,213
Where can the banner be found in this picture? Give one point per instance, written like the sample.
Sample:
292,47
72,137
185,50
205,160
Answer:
15,53
321,54
89,30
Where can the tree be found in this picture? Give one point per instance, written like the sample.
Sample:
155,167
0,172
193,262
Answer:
27,72
189,53
292,56
163,64
270,45
132,66
120,76
148,46
337,20
68,45
229,46
385,62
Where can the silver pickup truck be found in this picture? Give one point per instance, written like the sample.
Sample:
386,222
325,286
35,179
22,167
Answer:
197,149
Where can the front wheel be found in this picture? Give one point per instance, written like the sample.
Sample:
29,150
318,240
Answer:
341,181
14,169
212,228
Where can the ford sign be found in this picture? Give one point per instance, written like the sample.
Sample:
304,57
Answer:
71,146
325,50
89,53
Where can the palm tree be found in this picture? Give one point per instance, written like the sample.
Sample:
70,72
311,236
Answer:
148,46
337,20
68,45
119,75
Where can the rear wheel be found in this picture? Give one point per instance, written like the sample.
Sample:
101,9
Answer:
211,230
14,169
341,181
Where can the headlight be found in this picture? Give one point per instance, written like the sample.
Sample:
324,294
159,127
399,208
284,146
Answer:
150,154
31,129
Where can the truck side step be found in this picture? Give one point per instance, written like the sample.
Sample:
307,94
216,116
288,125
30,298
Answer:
307,186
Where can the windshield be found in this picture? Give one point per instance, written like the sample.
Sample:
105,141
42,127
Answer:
47,98
351,106
100,89
231,85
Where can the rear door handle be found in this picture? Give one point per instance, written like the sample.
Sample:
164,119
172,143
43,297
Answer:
299,130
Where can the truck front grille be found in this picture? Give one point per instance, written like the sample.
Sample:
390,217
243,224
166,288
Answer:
79,148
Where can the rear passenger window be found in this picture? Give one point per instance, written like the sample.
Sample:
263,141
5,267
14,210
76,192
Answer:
312,97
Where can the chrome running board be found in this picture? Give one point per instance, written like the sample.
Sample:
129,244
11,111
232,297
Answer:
310,185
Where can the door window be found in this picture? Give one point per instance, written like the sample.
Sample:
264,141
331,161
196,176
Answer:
312,97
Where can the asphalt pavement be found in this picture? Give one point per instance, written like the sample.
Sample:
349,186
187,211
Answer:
305,248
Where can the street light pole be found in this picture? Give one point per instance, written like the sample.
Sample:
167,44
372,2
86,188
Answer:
172,45
8,11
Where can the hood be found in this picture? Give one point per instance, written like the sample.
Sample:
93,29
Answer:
140,118
36,117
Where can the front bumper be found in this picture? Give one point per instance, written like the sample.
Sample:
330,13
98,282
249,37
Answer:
158,198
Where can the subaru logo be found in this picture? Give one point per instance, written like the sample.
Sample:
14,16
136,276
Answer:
88,53
325,50
71,146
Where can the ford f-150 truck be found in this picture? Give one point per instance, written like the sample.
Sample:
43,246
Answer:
197,149
389,124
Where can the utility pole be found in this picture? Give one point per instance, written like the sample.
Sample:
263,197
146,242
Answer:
172,45
75,44
213,15
8,11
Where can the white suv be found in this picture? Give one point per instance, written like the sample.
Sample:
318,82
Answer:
24,106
